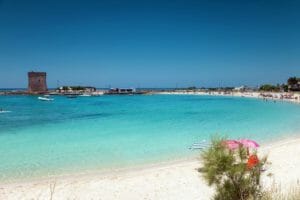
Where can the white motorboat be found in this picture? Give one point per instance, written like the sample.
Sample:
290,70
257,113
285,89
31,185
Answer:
45,99
85,95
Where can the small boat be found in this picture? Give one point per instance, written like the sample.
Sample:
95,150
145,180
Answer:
45,99
85,95
4,111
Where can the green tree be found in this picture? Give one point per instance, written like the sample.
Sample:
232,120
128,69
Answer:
292,81
269,88
227,171
65,88
192,88
285,87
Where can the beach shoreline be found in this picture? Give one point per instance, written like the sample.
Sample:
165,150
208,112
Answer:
158,181
272,96
107,172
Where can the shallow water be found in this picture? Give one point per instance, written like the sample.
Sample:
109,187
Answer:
40,138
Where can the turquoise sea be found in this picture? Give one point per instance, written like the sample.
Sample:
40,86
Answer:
64,136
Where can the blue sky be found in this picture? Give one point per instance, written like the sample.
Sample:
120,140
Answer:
149,43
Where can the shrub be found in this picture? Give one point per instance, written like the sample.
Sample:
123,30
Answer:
269,88
227,171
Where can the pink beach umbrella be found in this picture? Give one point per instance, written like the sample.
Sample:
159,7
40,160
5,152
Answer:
249,143
231,144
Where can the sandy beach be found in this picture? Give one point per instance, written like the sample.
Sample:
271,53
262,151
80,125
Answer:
178,180
273,96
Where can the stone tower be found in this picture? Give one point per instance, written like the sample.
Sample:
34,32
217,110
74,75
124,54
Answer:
37,82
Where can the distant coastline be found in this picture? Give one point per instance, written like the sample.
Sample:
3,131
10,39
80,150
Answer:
276,96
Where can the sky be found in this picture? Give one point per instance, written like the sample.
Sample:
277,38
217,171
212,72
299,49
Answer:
175,43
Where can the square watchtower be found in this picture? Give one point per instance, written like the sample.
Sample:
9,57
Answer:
37,82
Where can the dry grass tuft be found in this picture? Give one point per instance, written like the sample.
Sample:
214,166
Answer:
52,189
275,193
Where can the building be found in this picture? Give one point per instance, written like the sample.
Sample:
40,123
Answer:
239,89
37,83
121,91
75,89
